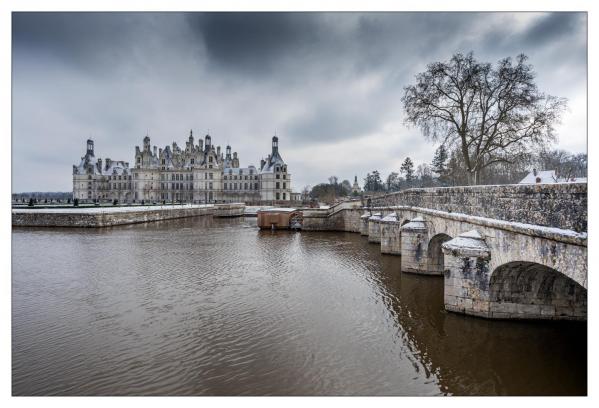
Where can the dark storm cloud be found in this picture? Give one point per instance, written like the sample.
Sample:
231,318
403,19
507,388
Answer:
256,41
330,84
553,27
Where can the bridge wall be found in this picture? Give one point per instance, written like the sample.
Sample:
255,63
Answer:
556,205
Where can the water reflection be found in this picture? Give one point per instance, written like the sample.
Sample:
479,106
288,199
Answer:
217,307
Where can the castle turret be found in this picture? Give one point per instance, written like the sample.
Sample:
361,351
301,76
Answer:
228,152
208,142
147,144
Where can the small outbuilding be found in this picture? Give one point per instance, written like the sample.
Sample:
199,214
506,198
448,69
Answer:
279,218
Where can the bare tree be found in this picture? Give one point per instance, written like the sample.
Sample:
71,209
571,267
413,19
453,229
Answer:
491,114
393,181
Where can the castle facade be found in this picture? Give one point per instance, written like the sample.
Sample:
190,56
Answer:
197,173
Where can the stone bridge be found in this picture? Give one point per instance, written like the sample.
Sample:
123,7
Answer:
510,251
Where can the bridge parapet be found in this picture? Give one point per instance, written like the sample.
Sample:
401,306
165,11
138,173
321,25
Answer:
561,205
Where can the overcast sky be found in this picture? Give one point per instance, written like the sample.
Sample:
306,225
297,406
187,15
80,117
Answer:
329,84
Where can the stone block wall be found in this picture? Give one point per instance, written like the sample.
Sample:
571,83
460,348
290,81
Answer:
561,205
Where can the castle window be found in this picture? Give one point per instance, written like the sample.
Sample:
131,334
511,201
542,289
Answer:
255,186
192,161
284,196
278,196
210,159
211,176
284,186
277,185
210,185
225,186
284,176
278,176
245,186
225,177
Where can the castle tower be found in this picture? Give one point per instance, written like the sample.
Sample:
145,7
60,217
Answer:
355,188
147,143
228,152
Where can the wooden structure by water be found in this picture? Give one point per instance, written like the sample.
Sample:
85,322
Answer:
279,218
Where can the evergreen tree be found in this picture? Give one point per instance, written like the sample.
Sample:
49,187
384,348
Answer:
407,168
439,164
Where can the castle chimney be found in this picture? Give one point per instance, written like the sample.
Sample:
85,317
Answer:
90,147
275,145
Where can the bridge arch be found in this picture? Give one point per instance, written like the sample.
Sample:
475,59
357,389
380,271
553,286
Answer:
526,290
436,260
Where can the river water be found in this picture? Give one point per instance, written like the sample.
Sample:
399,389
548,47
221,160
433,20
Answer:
203,306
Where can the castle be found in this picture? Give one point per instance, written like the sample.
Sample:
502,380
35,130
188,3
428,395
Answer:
198,173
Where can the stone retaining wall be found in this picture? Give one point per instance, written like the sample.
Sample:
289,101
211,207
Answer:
128,215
